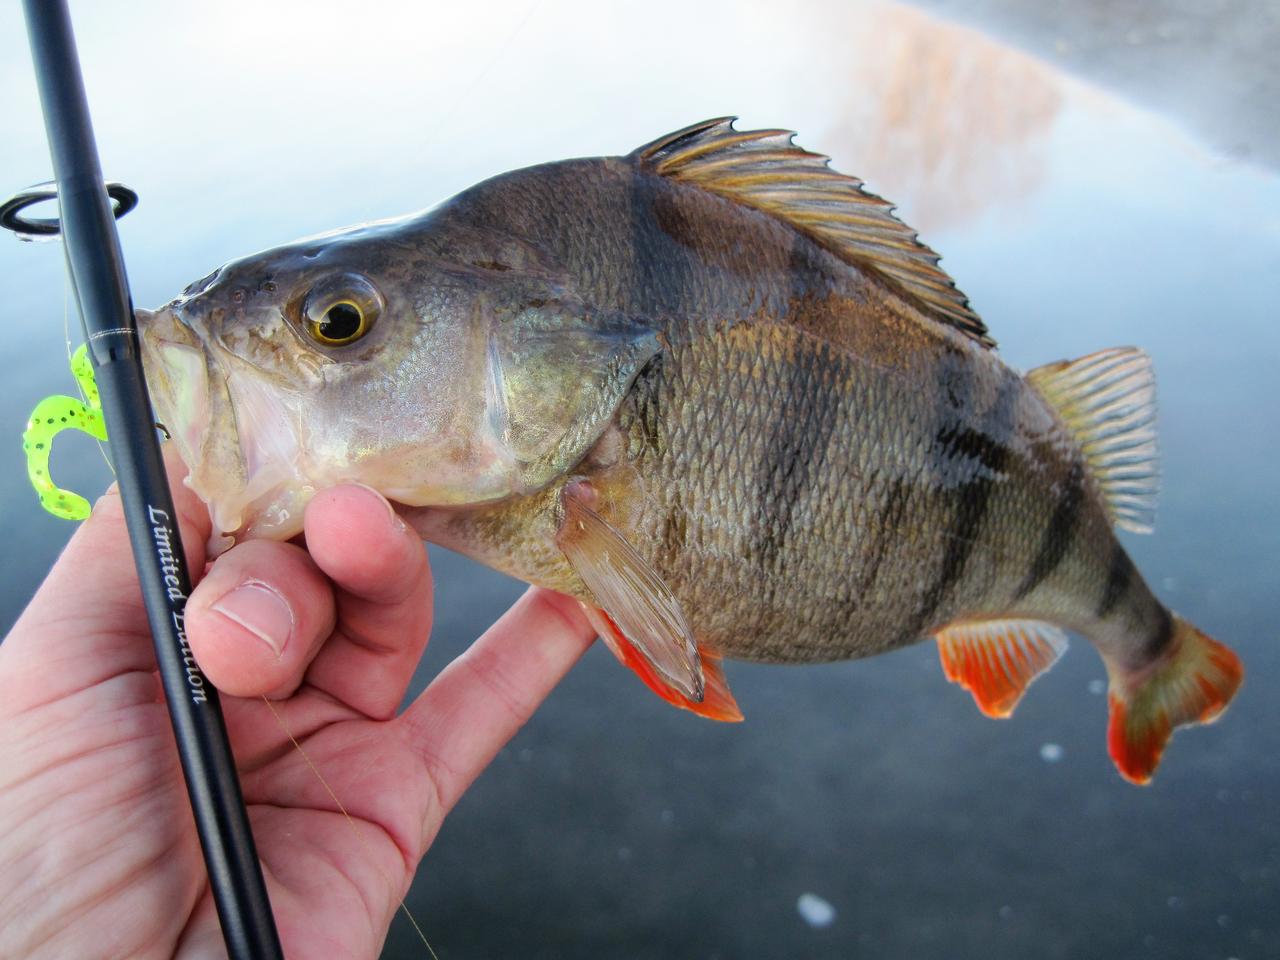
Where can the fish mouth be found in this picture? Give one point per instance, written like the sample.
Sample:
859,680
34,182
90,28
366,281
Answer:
236,436
176,368
186,396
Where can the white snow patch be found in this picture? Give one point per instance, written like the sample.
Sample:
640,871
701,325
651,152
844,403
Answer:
815,911
1051,753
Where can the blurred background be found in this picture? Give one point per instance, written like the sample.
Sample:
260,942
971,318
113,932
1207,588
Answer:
1094,174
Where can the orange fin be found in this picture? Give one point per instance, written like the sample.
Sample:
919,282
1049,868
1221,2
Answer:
1193,683
639,602
717,702
996,660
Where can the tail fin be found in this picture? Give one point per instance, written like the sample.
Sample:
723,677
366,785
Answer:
1192,683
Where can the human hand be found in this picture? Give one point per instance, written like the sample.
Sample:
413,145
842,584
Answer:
99,855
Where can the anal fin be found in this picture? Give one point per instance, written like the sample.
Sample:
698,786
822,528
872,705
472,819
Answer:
996,660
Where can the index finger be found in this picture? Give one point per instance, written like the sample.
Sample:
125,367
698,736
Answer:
383,595
481,699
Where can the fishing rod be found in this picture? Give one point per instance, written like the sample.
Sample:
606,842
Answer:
96,267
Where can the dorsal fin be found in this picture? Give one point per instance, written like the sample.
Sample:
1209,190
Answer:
766,170
1108,402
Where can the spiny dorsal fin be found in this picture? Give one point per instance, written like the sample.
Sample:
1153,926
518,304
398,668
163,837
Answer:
1108,402
766,170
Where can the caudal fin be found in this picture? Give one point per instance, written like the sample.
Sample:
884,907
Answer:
1193,683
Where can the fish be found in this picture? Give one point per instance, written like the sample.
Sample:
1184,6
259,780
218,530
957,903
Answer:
721,395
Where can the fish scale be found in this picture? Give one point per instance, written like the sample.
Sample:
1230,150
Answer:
836,529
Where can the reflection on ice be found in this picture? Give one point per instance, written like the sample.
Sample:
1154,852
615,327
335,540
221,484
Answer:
940,117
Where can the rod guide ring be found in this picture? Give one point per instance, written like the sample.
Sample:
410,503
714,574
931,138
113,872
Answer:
123,199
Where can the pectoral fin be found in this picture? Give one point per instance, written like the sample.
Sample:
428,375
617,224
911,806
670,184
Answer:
717,702
996,660
637,615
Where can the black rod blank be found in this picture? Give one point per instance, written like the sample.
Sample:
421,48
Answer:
102,293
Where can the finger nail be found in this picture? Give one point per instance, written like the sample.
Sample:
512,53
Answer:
261,611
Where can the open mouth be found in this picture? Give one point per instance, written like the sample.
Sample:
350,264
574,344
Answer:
177,373
237,433
182,396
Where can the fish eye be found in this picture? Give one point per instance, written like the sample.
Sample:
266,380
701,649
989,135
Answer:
341,310
342,323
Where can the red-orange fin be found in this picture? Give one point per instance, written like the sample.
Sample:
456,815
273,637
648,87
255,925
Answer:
640,604
717,702
1192,683
996,660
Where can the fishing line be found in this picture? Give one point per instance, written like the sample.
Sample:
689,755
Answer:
458,101
66,338
360,839
350,822
95,264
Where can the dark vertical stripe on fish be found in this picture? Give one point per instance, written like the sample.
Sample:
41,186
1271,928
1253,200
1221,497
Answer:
661,273
797,446
886,532
981,454
1161,635
1119,575
1057,534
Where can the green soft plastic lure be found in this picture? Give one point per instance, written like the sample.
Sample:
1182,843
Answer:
51,416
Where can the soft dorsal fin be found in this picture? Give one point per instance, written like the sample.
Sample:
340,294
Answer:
766,170
1108,402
